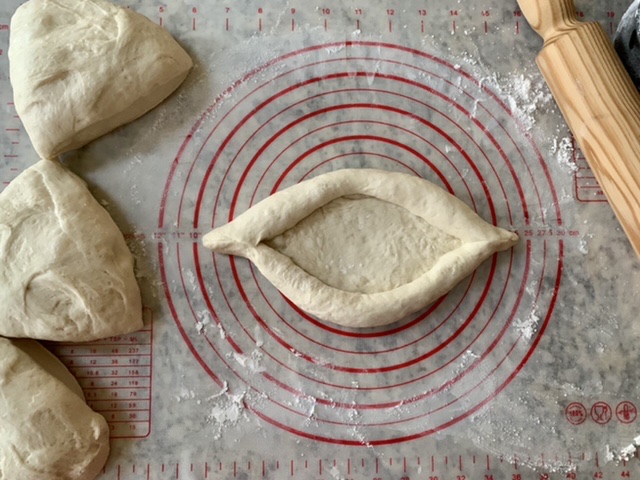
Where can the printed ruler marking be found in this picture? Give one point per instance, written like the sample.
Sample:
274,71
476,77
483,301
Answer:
403,468
115,375
587,188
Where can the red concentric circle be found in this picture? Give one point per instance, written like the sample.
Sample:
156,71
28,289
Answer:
359,104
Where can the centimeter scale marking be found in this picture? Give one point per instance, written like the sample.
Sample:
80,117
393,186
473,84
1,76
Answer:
360,17
447,467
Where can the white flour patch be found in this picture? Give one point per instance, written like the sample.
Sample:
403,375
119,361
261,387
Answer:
467,358
626,453
335,473
564,151
529,326
307,404
525,96
252,362
204,319
226,412
185,394
257,336
191,278
583,248
222,331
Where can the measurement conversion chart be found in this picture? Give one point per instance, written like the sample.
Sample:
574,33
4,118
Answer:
525,370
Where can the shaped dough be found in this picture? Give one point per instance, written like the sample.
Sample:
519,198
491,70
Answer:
66,273
361,248
81,68
47,431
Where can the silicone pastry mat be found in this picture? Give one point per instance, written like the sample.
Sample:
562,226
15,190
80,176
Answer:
526,370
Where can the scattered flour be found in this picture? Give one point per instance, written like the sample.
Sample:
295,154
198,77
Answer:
252,362
307,404
525,97
222,331
529,326
626,453
335,473
564,151
190,277
257,336
227,411
204,319
583,247
185,394
467,358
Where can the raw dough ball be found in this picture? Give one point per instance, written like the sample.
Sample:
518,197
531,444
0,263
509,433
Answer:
47,432
362,248
81,68
66,273
49,363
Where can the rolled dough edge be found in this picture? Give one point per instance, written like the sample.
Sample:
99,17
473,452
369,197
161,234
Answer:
357,310
284,209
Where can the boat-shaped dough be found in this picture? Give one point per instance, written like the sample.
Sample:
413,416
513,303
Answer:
81,68
66,273
48,432
362,247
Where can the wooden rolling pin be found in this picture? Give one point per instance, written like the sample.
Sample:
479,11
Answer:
598,101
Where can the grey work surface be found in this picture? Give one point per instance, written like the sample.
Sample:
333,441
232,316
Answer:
526,369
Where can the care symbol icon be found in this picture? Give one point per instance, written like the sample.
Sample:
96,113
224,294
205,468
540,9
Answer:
601,413
626,412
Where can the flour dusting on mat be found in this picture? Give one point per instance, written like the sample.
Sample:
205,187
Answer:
625,453
529,326
526,96
185,394
564,151
204,319
226,412
252,361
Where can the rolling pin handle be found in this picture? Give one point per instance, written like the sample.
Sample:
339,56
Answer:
550,18
597,98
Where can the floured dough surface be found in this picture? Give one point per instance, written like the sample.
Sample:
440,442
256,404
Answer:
364,244
48,432
49,363
81,68
362,247
66,273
